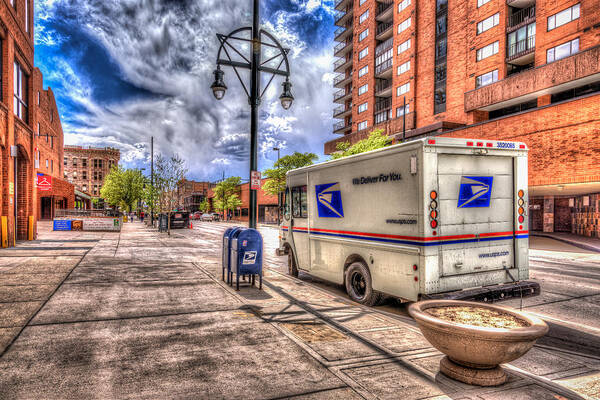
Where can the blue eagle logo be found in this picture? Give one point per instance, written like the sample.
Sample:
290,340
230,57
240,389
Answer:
329,200
475,191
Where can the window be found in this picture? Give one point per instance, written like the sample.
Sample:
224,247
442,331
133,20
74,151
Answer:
562,51
521,40
363,89
404,25
440,100
441,6
363,70
84,174
400,111
84,188
27,16
563,17
481,2
299,202
38,98
12,3
486,78
362,2
363,53
47,164
440,49
20,92
95,163
400,90
363,35
487,51
488,23
51,165
362,125
403,5
440,26
65,161
402,47
363,17
363,107
75,174
403,68
95,189
38,131
84,162
74,162
51,142
95,175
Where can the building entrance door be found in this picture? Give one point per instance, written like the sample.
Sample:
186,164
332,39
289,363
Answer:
562,215
46,211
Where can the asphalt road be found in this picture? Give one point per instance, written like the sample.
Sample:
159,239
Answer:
569,279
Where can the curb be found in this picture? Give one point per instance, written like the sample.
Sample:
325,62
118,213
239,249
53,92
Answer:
571,242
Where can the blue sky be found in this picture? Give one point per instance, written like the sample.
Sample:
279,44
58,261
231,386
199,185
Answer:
125,70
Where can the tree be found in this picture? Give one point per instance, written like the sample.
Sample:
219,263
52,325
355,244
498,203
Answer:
123,187
377,139
275,176
168,172
204,206
224,191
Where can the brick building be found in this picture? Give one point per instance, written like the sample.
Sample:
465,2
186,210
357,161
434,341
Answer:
191,194
521,70
30,131
267,205
86,167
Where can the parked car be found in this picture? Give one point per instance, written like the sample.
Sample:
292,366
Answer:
206,217
196,215
216,216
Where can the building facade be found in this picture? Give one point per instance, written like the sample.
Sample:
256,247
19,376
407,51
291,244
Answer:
31,136
191,194
266,205
521,70
86,167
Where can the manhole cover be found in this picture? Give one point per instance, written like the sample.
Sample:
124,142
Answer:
312,332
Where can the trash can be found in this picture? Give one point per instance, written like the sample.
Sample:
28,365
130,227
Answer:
246,255
225,266
163,222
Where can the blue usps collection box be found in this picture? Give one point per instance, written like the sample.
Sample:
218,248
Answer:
246,256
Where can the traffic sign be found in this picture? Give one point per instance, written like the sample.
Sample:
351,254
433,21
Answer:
255,180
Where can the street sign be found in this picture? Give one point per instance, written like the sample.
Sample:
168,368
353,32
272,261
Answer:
44,182
255,180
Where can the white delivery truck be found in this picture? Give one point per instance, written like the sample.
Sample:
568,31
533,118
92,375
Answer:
433,218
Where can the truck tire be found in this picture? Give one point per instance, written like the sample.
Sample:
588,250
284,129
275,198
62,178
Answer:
292,267
359,285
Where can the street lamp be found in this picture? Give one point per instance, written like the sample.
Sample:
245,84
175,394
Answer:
259,39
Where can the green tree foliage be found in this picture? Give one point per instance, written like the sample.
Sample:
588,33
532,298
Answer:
376,140
276,176
204,206
123,187
224,192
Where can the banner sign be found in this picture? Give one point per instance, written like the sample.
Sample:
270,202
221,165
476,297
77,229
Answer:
102,224
62,225
44,182
255,180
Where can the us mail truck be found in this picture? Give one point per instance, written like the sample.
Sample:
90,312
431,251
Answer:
437,217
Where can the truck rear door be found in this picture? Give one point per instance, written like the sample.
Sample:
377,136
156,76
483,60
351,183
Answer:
476,218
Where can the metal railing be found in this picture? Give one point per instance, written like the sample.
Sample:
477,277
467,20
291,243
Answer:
383,26
341,14
385,46
339,31
341,93
341,125
340,62
383,7
341,46
340,78
341,109
382,84
384,104
521,47
384,66
520,17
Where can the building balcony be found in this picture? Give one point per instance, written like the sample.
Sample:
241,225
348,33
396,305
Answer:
521,18
384,30
384,70
342,4
342,80
342,64
385,12
383,104
342,127
342,17
342,95
521,52
342,33
342,111
576,70
383,88
520,3
341,49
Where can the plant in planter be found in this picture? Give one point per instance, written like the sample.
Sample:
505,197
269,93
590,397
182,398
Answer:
476,337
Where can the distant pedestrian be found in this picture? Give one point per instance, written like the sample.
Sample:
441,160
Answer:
142,216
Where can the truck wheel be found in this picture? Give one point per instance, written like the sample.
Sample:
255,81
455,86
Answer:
358,285
292,268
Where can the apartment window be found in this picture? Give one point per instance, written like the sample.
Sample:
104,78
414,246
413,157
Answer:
95,175
38,130
84,188
402,47
562,50
563,17
487,51
481,2
364,70
84,174
403,68
362,125
46,135
403,5
95,189
46,163
65,161
400,111
362,2
488,23
440,49
440,26
363,89
363,35
99,176
363,53
38,98
51,142
486,78
51,165
74,162
12,3
26,15
404,25
299,202
84,162
400,90
363,107
95,163
383,57
20,92
363,17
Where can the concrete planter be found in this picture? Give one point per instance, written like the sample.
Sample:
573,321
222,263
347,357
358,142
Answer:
474,353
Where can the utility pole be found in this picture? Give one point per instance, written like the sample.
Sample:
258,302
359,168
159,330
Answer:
152,179
278,192
404,119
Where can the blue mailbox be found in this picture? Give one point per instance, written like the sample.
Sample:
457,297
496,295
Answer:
246,255
226,265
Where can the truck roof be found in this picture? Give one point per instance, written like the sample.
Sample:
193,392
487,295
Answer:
436,141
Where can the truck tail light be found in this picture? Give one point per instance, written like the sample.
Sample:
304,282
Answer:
433,224
521,209
433,195
433,214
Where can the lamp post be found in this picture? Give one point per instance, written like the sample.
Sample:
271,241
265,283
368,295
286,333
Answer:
259,39
278,192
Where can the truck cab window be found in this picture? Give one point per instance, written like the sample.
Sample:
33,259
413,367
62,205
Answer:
299,202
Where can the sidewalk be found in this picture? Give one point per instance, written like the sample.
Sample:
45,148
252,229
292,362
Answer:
583,242
143,315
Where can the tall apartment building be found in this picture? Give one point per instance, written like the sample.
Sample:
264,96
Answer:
86,167
522,70
30,131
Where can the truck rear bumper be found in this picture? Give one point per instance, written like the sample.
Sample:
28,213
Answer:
491,293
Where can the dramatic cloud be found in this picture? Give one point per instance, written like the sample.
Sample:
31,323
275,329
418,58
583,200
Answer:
125,70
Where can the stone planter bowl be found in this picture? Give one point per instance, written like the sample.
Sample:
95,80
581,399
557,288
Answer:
473,352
